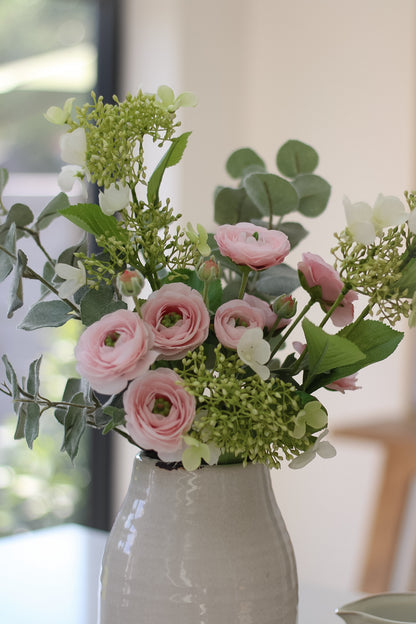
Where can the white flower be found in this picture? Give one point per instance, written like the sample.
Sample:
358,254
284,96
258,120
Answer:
73,147
323,449
168,101
365,223
74,278
68,176
113,199
254,351
60,116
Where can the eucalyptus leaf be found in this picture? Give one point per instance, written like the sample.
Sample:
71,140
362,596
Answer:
67,255
4,176
234,206
48,275
11,377
19,433
16,293
47,314
117,417
295,157
74,426
19,214
271,194
96,303
294,231
314,194
276,281
171,158
51,211
242,161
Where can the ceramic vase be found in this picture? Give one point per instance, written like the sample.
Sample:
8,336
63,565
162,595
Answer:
202,547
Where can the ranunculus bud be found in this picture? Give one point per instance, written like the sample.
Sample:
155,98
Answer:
208,270
285,306
130,283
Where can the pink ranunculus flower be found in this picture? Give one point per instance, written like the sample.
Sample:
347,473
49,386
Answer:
269,316
252,245
317,272
113,350
343,384
233,318
158,410
179,320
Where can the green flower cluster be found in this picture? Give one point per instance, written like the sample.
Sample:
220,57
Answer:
248,418
115,135
374,271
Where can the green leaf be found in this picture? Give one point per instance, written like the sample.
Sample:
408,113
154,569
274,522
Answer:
11,377
314,194
6,261
294,231
327,351
16,294
67,255
277,280
32,383
171,158
73,386
271,194
31,425
51,211
242,161
19,433
91,219
117,417
233,206
96,303
47,314
74,426
4,176
295,157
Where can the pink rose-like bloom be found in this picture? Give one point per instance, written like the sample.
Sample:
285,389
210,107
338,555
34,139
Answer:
179,320
158,410
252,245
233,318
318,273
114,350
345,383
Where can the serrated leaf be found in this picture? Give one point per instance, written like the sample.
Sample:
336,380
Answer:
271,194
327,351
277,280
171,158
242,161
233,206
16,292
47,314
6,261
313,194
96,303
51,211
91,219
74,427
295,157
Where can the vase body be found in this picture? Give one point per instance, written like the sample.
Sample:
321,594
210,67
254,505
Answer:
203,547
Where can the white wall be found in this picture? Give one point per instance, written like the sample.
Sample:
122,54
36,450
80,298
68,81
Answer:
339,75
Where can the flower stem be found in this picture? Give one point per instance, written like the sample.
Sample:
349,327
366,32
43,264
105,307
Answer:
292,326
244,280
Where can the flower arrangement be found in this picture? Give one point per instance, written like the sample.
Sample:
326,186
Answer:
185,348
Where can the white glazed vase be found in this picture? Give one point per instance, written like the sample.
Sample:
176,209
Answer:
203,547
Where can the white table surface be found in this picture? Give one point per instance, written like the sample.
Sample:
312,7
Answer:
51,576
